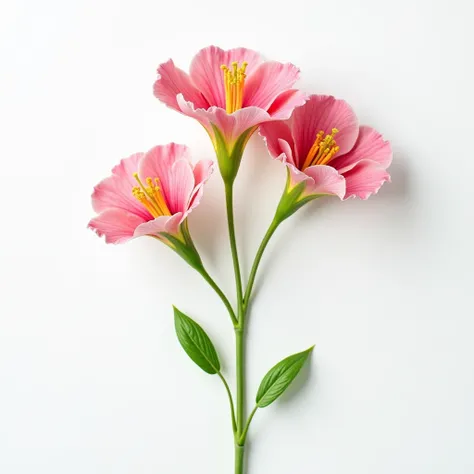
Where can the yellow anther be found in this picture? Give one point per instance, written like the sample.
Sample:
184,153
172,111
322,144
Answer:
150,197
234,80
322,150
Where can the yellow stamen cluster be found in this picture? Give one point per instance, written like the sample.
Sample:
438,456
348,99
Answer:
234,80
323,150
151,196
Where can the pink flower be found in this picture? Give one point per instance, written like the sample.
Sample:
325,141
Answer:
323,147
149,194
230,93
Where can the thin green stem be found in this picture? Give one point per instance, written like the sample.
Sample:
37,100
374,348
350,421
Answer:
243,437
220,293
240,369
229,197
231,401
258,257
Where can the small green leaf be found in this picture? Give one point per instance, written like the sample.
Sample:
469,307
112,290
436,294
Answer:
280,377
196,343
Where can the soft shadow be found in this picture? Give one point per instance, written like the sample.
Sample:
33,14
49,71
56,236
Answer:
393,203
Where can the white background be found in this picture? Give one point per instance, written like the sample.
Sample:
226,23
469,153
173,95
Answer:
92,378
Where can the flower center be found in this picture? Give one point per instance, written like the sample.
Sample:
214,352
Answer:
234,80
151,196
323,150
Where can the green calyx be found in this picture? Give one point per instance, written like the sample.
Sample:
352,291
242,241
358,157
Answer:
229,157
184,246
293,198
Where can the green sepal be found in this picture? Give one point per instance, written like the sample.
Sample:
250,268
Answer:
280,377
230,157
183,245
293,199
196,343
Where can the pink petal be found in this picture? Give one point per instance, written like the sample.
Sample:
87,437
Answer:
206,73
364,179
117,225
173,81
274,134
323,112
230,125
168,224
283,106
369,145
181,186
158,163
116,190
268,81
202,172
326,180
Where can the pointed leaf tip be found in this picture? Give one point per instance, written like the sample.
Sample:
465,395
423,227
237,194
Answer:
279,377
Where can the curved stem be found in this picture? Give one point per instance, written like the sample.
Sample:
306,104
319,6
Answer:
231,401
220,293
229,198
258,257
247,426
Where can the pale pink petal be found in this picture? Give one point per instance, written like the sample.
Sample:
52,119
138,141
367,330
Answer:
117,225
283,106
364,179
323,112
206,73
326,180
202,172
181,186
116,190
233,125
268,81
272,133
286,151
230,125
168,224
369,145
173,81
158,163
201,115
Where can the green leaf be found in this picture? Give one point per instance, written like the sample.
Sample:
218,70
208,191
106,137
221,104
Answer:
280,377
196,343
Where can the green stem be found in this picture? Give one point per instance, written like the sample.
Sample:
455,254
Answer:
220,293
239,459
240,369
231,401
258,257
247,426
229,197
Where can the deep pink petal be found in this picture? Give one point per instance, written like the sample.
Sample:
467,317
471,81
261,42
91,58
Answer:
173,81
117,225
168,224
181,186
326,180
158,163
206,73
369,145
365,179
283,106
323,112
116,190
274,134
268,81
